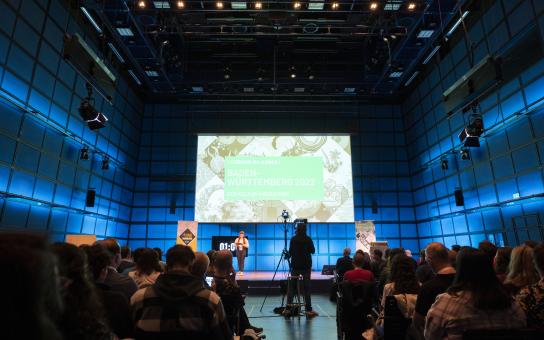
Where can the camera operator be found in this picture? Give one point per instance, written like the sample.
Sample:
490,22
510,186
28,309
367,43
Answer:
301,249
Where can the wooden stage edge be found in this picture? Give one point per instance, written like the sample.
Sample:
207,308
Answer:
267,276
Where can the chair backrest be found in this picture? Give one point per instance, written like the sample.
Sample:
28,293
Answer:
502,334
357,301
395,324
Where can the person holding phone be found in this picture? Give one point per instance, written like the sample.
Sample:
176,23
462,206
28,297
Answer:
242,246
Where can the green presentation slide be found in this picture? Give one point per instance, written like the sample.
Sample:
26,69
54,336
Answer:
273,178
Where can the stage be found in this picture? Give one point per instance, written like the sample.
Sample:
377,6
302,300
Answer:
260,282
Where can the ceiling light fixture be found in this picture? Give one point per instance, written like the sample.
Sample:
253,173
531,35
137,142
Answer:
411,6
141,4
292,72
258,5
219,5
335,5
373,5
91,19
180,4
297,5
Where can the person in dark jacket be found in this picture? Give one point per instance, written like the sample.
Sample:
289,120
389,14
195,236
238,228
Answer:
301,249
344,264
178,306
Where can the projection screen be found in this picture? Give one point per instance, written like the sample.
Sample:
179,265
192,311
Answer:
252,179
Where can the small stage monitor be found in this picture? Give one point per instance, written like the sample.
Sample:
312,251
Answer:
225,242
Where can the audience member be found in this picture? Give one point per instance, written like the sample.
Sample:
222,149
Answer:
501,262
135,256
384,276
230,292
531,298
452,255
83,315
476,300
530,243
488,249
456,248
116,281
377,263
160,254
403,284
31,296
200,267
211,255
126,259
178,305
359,273
521,270
147,268
344,264
116,305
424,271
437,256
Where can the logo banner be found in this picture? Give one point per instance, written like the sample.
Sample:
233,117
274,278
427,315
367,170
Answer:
365,233
187,231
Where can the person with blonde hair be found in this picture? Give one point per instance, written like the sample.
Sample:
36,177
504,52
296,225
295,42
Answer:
242,246
521,269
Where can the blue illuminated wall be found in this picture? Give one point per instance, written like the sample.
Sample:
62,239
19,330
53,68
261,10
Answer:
509,161
168,164
37,162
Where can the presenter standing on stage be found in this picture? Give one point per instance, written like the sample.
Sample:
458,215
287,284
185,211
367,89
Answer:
242,246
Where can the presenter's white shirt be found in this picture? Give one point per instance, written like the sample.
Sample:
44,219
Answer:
245,243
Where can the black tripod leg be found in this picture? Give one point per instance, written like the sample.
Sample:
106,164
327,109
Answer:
273,277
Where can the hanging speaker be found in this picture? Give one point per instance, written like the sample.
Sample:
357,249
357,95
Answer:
173,207
89,200
374,207
459,199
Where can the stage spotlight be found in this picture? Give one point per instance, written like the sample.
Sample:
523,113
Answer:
226,73
309,73
141,4
180,4
258,5
374,5
335,5
292,72
84,153
444,164
105,163
469,136
95,120
465,154
411,6
219,5
297,5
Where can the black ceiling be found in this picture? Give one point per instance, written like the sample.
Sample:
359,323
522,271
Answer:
200,50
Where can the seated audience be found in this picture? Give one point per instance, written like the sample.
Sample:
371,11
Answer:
147,268
403,284
521,270
488,249
177,305
116,305
424,271
31,294
344,264
377,263
83,315
500,264
126,259
531,298
116,281
200,267
225,286
476,300
359,273
437,256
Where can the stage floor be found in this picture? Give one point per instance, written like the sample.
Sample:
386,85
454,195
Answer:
267,276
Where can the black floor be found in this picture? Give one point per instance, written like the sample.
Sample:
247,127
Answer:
322,327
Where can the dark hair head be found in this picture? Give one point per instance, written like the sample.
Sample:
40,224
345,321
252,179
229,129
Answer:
148,262
403,275
301,229
223,260
159,252
437,252
111,245
83,316
30,287
475,274
387,252
179,255
136,254
358,260
502,259
538,258
377,253
125,252
98,258
488,249
395,252
530,243
456,247
211,255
